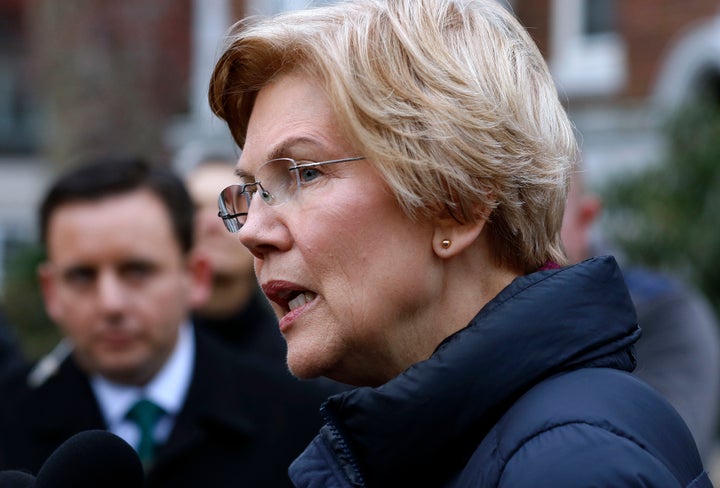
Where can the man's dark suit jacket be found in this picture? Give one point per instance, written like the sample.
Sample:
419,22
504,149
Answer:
242,423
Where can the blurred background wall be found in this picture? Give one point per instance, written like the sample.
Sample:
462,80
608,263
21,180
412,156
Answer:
85,77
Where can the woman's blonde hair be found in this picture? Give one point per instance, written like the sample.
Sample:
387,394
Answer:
451,99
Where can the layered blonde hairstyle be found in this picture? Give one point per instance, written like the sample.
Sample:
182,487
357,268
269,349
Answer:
450,99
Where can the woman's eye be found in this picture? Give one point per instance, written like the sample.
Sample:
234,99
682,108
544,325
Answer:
266,196
309,174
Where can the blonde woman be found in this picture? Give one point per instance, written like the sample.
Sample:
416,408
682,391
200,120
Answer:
401,188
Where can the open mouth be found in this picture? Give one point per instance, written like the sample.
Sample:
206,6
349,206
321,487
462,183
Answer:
289,299
300,299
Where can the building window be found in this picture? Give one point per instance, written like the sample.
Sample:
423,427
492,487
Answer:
587,54
18,128
599,17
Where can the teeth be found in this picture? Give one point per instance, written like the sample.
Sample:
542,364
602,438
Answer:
301,300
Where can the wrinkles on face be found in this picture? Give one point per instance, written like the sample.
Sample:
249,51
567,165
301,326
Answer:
364,268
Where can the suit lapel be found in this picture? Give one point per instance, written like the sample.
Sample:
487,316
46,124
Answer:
213,406
61,407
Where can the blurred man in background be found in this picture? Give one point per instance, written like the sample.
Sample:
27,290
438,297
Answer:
120,280
11,354
236,311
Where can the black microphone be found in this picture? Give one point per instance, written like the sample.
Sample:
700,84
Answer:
92,459
16,479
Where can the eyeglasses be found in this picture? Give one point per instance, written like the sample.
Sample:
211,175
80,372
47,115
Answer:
278,182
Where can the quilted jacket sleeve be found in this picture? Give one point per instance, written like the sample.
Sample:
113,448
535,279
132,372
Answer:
583,455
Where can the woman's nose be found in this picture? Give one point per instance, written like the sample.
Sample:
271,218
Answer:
264,230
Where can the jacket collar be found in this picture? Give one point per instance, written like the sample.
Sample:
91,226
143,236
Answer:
73,406
207,406
424,424
210,408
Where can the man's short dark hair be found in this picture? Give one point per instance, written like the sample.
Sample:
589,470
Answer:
106,177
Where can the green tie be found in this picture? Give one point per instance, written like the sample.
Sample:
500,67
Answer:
145,414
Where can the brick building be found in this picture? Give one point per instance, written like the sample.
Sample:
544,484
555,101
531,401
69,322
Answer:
622,65
79,77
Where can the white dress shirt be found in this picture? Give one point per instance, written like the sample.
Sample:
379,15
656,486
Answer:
167,389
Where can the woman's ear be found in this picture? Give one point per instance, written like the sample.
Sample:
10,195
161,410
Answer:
451,237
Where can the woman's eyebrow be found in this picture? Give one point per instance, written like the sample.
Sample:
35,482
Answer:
282,149
241,173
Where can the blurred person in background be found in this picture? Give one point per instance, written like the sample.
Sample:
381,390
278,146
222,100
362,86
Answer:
236,311
12,356
120,280
678,352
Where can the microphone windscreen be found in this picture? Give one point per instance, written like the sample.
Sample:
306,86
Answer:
16,479
93,458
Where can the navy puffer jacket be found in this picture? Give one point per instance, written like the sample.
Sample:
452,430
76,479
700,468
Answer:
534,392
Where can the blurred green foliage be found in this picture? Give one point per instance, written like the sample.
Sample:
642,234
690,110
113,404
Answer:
23,302
668,215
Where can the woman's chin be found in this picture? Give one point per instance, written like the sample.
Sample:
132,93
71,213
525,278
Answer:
306,364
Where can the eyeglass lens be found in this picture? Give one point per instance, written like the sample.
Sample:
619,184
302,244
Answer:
276,181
